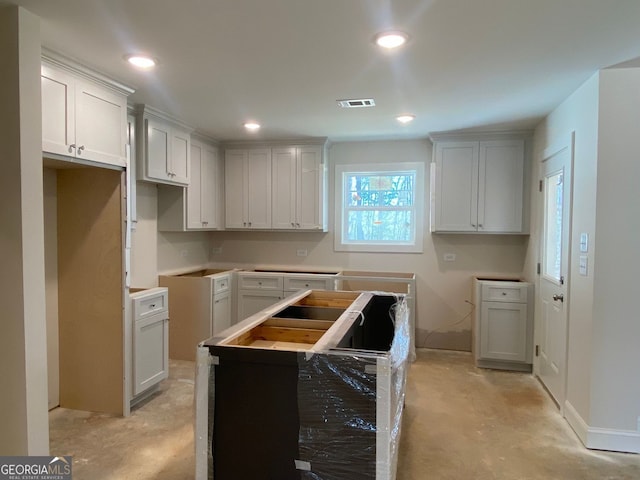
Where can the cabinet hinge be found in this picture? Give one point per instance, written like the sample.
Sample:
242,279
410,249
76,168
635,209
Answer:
538,269
537,350
540,186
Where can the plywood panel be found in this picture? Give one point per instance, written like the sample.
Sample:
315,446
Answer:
190,300
90,289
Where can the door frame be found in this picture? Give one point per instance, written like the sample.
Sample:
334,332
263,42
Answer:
565,142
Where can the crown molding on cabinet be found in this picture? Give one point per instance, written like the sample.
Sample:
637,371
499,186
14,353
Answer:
72,66
275,143
480,135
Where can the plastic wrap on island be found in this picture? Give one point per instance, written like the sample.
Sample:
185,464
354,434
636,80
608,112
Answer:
288,402
350,404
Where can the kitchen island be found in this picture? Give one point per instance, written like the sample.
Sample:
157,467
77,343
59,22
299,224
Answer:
312,387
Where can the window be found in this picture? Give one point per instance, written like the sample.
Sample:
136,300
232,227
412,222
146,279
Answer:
379,207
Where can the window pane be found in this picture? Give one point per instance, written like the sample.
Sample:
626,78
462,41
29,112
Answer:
374,190
553,227
380,226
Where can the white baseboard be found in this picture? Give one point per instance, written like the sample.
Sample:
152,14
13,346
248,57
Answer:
627,441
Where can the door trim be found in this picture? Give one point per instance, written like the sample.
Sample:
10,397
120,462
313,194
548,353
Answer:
566,142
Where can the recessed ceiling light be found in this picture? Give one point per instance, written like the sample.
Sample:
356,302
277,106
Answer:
405,118
141,61
252,126
391,40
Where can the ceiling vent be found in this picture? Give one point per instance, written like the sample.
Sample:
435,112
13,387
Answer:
357,103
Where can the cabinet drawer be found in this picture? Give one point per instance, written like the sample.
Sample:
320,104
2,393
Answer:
150,302
260,282
504,292
221,284
305,283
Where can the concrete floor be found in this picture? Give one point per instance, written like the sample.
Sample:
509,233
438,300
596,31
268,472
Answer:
460,422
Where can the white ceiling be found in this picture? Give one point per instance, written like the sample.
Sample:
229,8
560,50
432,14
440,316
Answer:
470,64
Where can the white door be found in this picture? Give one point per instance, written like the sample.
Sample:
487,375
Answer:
252,301
500,173
235,215
284,188
195,206
551,324
180,153
259,188
456,186
221,312
309,188
101,125
209,188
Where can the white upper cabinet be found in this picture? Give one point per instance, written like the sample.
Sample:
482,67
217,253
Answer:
82,117
204,199
163,148
248,188
501,186
478,186
298,188
198,206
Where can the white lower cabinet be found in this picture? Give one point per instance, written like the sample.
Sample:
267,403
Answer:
259,290
503,334
253,301
503,326
221,312
150,338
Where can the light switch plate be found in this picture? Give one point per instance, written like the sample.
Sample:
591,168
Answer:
584,265
584,242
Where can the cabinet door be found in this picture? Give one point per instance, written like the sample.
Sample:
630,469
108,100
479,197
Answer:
221,312
456,187
501,183
210,186
234,167
194,190
151,352
179,159
58,112
252,301
158,150
309,187
285,186
258,188
101,124
503,331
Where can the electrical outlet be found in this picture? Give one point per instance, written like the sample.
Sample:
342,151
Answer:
216,250
184,253
449,257
302,252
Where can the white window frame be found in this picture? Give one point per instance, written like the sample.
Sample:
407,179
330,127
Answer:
418,207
